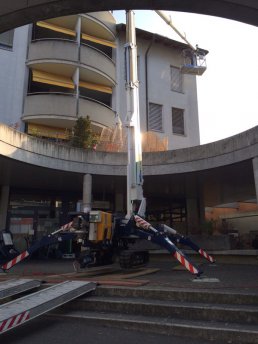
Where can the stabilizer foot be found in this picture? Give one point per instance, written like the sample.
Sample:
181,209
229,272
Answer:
205,279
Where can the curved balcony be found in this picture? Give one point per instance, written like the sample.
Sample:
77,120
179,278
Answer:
56,109
62,57
60,110
100,24
68,22
53,49
98,112
98,61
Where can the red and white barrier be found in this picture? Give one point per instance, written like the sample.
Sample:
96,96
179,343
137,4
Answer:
14,321
15,260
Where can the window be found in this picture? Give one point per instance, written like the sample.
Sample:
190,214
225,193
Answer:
178,126
176,79
6,39
155,117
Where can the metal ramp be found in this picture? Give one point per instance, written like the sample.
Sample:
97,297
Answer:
17,286
15,313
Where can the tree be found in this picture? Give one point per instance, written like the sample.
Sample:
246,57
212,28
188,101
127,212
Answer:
82,135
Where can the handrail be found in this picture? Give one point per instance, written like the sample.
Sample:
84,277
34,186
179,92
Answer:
97,101
47,93
53,39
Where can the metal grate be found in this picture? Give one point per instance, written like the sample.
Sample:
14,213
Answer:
155,117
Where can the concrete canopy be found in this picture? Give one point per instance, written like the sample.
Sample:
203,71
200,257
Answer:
14,13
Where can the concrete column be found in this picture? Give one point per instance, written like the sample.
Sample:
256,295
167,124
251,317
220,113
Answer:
76,81
4,199
78,27
119,202
76,76
87,192
201,201
192,205
255,169
193,218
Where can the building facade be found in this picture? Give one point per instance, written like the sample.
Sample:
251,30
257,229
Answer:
36,189
63,68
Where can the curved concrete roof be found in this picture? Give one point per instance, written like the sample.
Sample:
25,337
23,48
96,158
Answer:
15,13
23,148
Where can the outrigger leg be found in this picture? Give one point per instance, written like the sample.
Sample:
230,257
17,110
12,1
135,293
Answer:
176,237
145,231
44,241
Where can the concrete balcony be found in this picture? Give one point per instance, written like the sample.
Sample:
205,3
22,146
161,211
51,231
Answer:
97,61
60,110
100,24
62,57
98,112
53,49
68,22
54,109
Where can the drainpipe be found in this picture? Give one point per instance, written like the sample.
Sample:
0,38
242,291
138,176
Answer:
146,82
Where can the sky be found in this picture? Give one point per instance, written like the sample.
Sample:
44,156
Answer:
228,90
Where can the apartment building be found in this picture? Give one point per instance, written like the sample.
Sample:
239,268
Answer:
59,69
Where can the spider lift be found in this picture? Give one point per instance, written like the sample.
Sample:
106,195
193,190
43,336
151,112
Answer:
101,236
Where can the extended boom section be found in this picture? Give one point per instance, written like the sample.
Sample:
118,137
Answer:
134,165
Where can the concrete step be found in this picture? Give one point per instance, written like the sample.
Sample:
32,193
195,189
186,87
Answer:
181,294
215,331
242,314
225,317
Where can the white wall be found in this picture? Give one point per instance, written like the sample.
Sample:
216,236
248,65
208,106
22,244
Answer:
160,58
13,78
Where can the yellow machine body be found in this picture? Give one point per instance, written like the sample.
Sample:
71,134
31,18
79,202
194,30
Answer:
100,226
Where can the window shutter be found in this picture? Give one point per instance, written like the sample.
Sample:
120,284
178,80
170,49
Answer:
176,79
178,121
155,117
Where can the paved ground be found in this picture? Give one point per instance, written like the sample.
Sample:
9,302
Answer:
232,274
239,274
